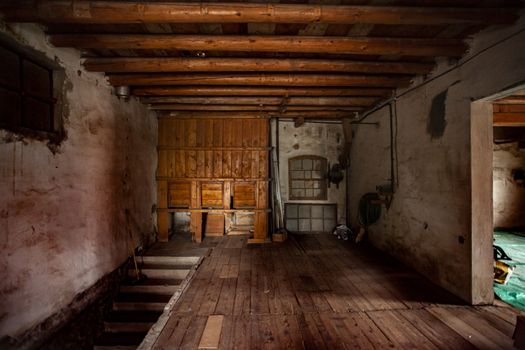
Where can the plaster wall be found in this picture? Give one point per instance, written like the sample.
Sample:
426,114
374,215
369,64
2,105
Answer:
509,195
63,222
320,139
429,223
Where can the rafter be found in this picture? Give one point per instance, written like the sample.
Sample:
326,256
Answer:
184,64
222,107
269,43
251,114
60,11
261,79
256,91
266,101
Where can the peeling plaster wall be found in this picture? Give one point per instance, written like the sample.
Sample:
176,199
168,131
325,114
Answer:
62,214
428,226
320,139
509,195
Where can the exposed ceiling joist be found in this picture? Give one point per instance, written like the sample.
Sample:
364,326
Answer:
256,91
183,64
269,43
253,114
222,107
509,119
55,11
267,101
262,79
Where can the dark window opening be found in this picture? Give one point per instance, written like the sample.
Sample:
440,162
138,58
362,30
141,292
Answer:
28,103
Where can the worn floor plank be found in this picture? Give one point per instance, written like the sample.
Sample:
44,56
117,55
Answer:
315,292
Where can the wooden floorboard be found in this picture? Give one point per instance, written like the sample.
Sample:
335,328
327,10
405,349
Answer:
316,292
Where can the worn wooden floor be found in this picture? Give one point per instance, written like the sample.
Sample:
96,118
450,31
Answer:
315,292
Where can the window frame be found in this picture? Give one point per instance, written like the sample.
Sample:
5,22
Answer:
56,74
322,181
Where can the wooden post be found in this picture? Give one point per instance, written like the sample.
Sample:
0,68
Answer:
162,216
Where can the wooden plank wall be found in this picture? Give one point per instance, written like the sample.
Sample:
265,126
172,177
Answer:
212,165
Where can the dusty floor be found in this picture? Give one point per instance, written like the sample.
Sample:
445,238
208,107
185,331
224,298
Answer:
315,292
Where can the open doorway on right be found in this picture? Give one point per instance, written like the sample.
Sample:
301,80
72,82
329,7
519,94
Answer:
509,198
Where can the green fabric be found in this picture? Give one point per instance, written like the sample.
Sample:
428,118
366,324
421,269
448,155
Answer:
514,291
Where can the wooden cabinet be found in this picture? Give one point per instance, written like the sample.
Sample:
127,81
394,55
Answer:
212,165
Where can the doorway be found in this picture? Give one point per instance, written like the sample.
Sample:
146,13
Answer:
498,197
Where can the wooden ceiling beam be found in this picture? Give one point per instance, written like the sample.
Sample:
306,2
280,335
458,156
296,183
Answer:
255,91
222,107
184,64
77,11
262,79
265,101
509,119
268,43
252,114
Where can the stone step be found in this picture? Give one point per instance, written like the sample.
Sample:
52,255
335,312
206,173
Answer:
156,273
151,289
168,260
129,327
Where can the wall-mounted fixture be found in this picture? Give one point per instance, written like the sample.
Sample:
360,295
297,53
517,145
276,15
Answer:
335,174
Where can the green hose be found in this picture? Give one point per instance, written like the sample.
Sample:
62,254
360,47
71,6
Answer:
369,212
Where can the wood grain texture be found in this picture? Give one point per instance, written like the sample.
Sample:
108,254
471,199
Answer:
317,292
206,161
185,64
174,12
257,43
261,79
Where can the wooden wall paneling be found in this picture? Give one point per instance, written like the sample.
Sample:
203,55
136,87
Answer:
162,217
227,164
214,225
191,164
236,170
196,217
179,194
263,164
244,195
162,162
212,195
262,195
203,149
246,172
217,132
227,195
217,163
208,164
260,227
201,162
196,226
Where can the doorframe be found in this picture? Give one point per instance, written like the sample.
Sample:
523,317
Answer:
481,182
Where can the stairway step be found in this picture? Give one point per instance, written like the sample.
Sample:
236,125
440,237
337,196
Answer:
168,260
115,347
133,316
137,306
143,297
114,340
163,267
151,289
129,327
162,273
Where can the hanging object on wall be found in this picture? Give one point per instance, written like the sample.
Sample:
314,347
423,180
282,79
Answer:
335,174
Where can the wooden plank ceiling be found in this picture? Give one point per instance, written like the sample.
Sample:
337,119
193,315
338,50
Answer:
328,59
